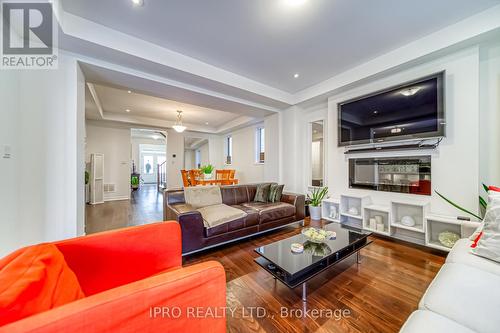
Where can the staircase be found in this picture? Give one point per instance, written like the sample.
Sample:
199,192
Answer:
161,181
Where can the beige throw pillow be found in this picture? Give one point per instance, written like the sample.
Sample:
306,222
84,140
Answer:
202,196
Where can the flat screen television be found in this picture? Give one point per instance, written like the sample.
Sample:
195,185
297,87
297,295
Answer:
411,110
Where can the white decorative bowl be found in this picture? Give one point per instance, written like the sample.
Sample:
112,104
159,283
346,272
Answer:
353,211
408,221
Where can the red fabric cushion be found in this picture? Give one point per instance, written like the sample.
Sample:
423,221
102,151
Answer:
494,188
35,279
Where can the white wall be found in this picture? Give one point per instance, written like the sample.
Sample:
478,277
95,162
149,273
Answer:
204,154
272,137
42,182
175,147
189,159
114,143
489,148
247,170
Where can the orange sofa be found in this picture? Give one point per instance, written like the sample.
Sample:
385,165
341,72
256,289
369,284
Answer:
133,281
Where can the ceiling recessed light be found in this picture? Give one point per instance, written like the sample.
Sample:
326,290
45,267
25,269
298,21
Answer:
127,110
129,91
138,3
295,3
206,123
296,75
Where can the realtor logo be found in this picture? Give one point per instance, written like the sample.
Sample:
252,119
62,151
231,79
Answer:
28,35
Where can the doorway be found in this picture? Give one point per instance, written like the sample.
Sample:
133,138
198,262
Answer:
150,157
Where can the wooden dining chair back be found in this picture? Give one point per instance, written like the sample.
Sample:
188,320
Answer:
194,176
185,178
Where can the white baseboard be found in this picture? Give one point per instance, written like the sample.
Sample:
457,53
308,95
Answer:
116,198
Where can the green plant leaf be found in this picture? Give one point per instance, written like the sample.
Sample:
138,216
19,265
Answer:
486,188
483,202
457,206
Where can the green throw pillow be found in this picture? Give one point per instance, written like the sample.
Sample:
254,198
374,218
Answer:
262,193
275,192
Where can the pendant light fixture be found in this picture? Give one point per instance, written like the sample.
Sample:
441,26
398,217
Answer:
178,127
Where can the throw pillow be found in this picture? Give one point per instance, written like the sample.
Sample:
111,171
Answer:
35,279
494,192
275,192
262,193
487,243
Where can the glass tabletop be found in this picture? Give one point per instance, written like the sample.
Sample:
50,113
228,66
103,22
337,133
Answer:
280,254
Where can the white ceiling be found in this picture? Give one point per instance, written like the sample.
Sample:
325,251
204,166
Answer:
114,100
267,41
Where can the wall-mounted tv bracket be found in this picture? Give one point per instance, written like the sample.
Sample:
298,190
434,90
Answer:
421,145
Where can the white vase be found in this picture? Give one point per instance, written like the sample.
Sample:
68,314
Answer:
207,176
315,212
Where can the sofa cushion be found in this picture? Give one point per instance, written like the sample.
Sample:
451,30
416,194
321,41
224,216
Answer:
461,254
35,279
262,193
182,208
203,196
466,295
430,322
271,211
275,192
252,218
234,195
219,214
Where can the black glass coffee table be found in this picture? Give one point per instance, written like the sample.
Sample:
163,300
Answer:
294,269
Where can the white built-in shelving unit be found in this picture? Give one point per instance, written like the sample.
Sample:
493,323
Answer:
389,220
435,224
377,214
348,203
330,209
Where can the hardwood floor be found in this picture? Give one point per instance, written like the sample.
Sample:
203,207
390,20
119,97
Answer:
379,294
145,206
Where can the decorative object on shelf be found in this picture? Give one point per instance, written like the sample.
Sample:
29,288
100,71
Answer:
333,212
317,249
353,211
316,235
315,197
207,171
379,219
179,127
408,221
297,248
373,224
448,238
482,202
380,227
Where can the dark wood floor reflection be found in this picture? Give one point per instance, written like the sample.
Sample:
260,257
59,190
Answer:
380,293
144,206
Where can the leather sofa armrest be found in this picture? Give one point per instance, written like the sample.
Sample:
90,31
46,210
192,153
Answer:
468,228
298,200
192,228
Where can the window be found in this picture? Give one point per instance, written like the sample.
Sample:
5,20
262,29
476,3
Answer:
197,158
260,145
228,147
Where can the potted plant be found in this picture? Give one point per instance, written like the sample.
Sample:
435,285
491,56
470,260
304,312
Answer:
315,198
207,171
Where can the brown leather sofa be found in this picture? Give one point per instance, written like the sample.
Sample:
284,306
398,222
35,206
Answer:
260,216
